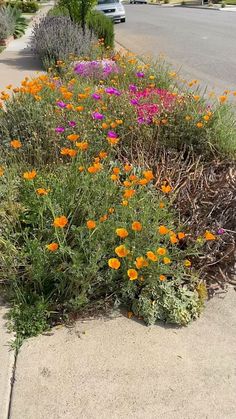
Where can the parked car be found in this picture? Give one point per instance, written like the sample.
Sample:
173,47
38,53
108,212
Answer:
138,1
113,9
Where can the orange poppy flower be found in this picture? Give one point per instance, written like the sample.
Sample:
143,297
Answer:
111,210
143,182
113,141
79,108
116,170
127,168
1,171
161,205
166,260
173,239
163,230
141,262
122,232
121,251
91,224
52,246
114,177
102,154
82,146
132,274
181,235
199,125
125,203
114,263
81,168
151,256
73,137
29,175
209,236
15,144
105,126
166,188
127,184
68,152
148,175
161,251
133,178
162,277
42,191
129,193
222,99
61,221
103,218
137,226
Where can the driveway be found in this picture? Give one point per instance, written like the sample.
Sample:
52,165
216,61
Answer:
200,42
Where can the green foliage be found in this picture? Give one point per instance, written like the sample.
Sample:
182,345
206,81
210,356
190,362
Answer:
102,27
29,6
28,320
78,10
11,22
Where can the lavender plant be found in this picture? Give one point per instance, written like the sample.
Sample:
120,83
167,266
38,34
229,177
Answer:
57,38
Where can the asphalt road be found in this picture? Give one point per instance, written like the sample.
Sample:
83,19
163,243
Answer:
201,43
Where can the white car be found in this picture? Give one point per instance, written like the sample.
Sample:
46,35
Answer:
113,9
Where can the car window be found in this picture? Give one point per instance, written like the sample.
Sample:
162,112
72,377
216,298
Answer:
107,1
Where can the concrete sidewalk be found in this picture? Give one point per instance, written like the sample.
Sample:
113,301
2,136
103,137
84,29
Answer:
121,369
17,60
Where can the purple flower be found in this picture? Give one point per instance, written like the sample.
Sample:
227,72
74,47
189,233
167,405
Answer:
133,88
72,123
220,231
97,115
96,96
61,104
134,101
112,134
141,120
112,91
140,74
59,129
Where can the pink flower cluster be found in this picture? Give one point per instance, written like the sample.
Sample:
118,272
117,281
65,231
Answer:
96,69
151,102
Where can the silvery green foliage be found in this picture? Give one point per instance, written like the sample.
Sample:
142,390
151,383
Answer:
7,22
57,37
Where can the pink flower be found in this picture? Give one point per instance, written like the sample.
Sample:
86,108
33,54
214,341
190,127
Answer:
59,129
112,134
61,104
72,123
97,115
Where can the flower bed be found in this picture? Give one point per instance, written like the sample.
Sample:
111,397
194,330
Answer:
89,217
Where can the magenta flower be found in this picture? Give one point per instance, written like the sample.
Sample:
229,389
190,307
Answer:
59,129
133,88
97,115
140,74
112,91
220,231
96,96
134,101
72,123
61,104
112,134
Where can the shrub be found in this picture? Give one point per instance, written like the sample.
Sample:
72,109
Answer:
56,38
102,27
7,22
78,10
29,6
11,22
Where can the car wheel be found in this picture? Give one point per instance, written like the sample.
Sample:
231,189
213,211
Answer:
123,20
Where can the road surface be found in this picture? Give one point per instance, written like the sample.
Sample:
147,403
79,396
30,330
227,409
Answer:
202,43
